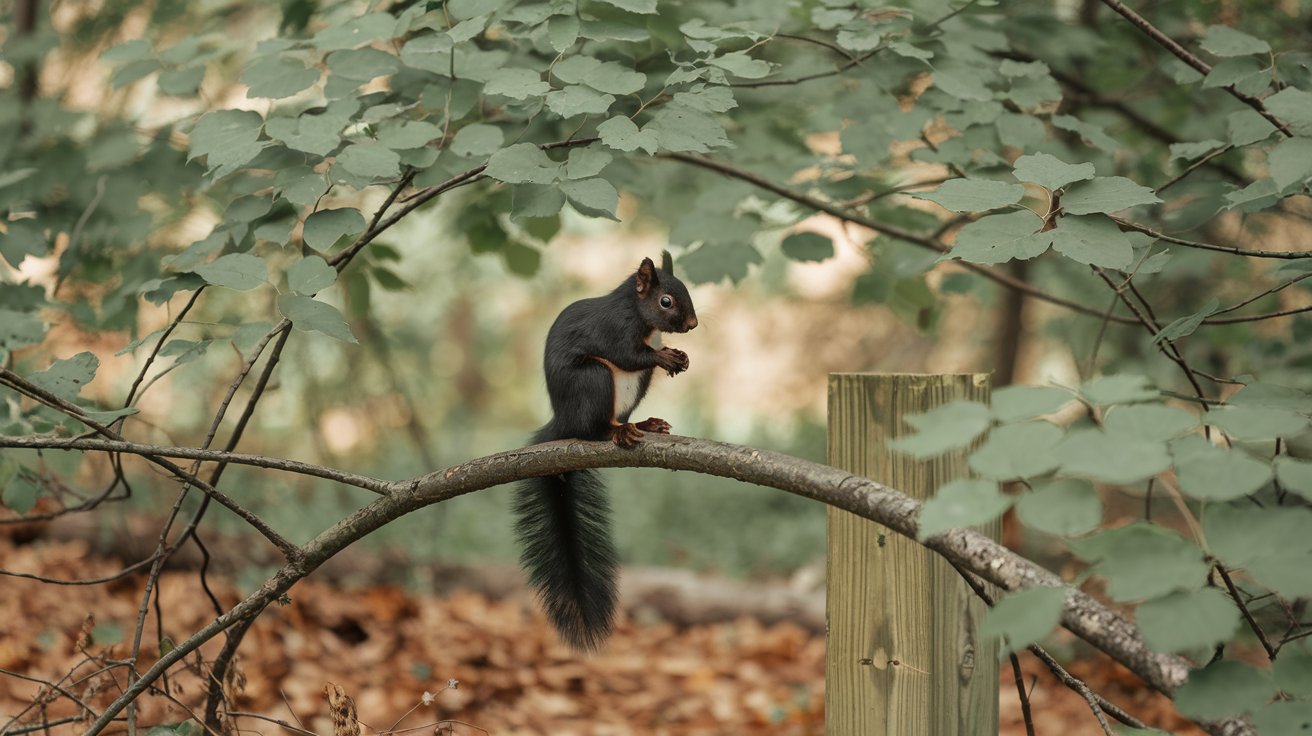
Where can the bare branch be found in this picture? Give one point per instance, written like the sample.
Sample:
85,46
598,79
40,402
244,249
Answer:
1285,254
187,453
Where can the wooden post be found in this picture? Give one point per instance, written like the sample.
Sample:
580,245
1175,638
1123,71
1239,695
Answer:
904,656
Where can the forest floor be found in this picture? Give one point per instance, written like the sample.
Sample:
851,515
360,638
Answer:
460,663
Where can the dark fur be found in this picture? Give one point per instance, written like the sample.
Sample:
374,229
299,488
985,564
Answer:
563,521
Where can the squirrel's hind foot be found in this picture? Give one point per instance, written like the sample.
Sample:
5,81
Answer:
625,435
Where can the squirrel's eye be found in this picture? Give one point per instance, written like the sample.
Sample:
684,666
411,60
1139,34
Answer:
666,302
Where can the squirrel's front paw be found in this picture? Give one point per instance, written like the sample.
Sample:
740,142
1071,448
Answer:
672,360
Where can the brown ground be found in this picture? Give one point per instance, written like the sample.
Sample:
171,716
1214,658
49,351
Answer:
387,647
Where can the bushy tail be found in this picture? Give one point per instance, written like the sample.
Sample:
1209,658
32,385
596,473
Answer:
563,526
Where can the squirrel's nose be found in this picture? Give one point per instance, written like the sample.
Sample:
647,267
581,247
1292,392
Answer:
691,323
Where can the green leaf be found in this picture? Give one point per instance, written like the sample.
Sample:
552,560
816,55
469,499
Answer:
1185,621
1283,716
1194,149
25,238
324,228
1291,162
1232,71
1024,617
276,77
132,72
1016,451
228,139
1289,575
1257,422
355,32
310,275
369,159
1123,388
1064,507
622,134
362,65
1106,194
948,427
1221,474
523,163
974,195
577,99
1293,673
477,140
67,377
645,7
1021,131
1226,41
1223,689
596,197
610,77
1242,535
1143,560
300,185
183,728
964,83
960,504
1001,238
309,315
808,247
19,494
1294,106
1094,240
1092,134
1149,421
1097,455
1012,403
586,162
1185,326
240,271
134,50
1049,171
682,129
517,84
183,82
562,32
740,64
1293,475
410,134
713,262
1247,127
185,351
535,201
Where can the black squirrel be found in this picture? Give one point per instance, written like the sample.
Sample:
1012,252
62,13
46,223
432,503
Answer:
599,359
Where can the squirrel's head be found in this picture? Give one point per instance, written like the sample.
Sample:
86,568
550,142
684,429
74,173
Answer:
663,300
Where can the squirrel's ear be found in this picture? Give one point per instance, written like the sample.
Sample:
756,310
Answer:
646,275
667,262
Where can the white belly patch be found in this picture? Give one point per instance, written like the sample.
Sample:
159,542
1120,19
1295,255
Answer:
626,391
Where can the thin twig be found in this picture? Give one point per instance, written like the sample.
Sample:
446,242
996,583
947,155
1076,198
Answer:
1283,254
1201,66
1271,651
890,230
1020,692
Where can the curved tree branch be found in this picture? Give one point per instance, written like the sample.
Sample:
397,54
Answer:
1083,615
